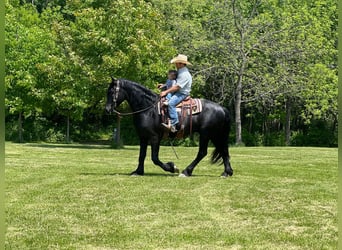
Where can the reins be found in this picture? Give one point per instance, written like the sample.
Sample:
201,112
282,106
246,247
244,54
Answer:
136,112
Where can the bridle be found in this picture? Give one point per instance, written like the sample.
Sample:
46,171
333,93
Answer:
115,97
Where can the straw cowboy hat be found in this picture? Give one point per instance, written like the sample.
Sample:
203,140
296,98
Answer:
181,59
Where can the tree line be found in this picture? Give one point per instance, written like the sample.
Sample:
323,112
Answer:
273,64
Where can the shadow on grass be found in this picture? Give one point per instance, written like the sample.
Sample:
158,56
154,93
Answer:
79,146
128,174
147,175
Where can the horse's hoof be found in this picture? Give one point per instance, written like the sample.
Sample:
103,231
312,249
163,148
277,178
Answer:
225,175
182,175
176,170
135,174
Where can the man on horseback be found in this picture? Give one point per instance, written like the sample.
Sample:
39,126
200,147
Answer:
179,91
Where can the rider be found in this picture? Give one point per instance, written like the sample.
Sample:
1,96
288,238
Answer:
179,91
171,80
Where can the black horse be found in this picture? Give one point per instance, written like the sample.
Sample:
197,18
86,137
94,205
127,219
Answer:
212,124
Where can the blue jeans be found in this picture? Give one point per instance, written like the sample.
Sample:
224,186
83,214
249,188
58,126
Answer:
168,96
175,99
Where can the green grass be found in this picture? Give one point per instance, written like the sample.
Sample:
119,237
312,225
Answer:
80,197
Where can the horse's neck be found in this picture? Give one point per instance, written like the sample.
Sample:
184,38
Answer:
139,97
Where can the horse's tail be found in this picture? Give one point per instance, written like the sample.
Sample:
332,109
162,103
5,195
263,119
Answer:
221,140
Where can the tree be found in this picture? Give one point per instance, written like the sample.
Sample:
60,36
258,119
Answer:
307,48
123,38
273,63
240,36
64,82
226,40
258,54
70,50
27,45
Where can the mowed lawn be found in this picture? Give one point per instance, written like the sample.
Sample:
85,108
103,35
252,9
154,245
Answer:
81,197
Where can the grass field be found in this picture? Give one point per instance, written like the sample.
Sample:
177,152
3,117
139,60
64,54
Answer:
80,197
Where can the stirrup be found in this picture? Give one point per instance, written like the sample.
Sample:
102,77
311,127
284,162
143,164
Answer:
173,129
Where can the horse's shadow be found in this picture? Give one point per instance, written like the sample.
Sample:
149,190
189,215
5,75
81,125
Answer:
79,146
145,175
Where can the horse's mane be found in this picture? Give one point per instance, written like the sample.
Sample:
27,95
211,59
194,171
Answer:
139,91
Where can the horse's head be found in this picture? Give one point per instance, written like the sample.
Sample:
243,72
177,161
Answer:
115,95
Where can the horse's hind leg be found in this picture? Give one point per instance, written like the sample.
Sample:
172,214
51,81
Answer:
221,151
202,152
228,171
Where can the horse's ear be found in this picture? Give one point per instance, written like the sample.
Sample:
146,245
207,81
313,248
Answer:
112,82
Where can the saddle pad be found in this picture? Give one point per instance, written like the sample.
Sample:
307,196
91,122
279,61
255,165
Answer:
194,103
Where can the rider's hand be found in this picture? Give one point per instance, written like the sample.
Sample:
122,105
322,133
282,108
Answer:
163,93
159,85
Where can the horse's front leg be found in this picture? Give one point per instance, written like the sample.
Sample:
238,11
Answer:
142,156
169,166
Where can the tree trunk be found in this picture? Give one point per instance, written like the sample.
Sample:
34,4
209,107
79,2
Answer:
288,122
68,130
20,127
238,137
266,131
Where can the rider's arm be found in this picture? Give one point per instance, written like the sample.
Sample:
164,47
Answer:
173,89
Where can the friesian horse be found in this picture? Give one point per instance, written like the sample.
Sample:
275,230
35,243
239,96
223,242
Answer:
212,124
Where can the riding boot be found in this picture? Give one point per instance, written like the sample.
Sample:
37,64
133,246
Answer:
172,128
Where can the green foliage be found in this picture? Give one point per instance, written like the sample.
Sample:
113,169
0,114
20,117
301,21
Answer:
267,51
272,63
27,45
63,65
317,133
321,93
121,38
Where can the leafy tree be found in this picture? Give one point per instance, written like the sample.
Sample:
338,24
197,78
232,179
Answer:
62,75
84,44
256,56
41,5
273,63
238,41
123,38
117,38
27,45
304,49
